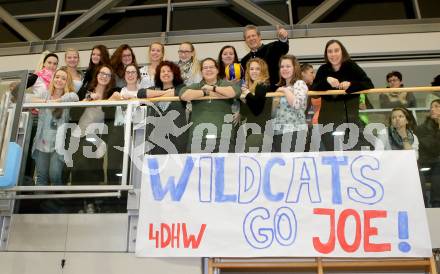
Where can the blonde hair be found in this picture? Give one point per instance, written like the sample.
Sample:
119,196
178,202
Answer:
71,50
69,87
161,46
262,79
195,68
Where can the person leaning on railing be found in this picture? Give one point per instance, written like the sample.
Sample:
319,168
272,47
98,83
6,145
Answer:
254,109
116,129
341,73
429,161
215,112
166,128
289,114
88,169
49,163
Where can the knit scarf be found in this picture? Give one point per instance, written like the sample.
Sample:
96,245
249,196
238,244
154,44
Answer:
46,76
396,141
185,69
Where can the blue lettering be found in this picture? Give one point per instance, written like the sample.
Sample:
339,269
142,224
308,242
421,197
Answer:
176,191
249,181
373,191
305,176
220,182
335,162
266,180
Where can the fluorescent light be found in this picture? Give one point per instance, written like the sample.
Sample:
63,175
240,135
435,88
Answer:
425,169
119,174
211,136
338,133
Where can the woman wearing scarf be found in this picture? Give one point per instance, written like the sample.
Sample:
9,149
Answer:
400,134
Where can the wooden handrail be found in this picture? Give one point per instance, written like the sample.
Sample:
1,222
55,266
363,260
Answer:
270,94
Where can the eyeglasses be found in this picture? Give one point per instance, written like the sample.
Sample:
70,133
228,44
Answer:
105,75
393,80
184,51
126,55
208,67
128,72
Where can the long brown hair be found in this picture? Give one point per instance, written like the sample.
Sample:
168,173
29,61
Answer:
345,55
116,60
109,86
296,70
105,57
408,115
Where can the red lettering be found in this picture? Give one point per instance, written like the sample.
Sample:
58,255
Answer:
191,239
168,235
330,245
165,234
372,231
153,236
341,230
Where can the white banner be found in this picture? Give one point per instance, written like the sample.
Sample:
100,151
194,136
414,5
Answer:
328,204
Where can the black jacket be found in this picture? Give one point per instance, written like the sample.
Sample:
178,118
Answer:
340,109
270,53
429,142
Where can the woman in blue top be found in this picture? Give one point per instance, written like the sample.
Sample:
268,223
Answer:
49,163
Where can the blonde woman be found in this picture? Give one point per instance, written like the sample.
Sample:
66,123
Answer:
188,64
49,164
71,57
254,108
155,56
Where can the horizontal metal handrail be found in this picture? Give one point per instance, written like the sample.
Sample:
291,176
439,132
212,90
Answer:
176,98
65,196
70,188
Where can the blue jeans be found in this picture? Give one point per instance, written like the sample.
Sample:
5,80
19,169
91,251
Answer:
49,168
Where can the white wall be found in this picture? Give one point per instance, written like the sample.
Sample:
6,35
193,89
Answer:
301,47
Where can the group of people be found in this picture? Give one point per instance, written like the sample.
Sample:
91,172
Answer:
223,102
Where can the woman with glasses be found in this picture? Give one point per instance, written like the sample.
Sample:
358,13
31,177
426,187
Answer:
396,99
48,162
168,133
88,167
122,57
116,129
213,115
188,64
156,54
98,57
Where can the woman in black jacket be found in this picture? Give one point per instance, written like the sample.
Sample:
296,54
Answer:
429,151
339,73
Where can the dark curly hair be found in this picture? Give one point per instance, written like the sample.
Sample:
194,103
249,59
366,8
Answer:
177,77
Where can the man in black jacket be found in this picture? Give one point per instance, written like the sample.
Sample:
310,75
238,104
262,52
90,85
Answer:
270,53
